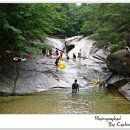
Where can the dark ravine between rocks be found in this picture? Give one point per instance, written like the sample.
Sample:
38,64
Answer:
19,78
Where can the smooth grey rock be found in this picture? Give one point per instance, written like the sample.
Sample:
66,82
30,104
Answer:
118,64
55,43
7,77
101,54
117,81
125,91
40,74
94,49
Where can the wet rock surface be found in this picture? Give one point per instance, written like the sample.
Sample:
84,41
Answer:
117,81
55,43
40,74
94,48
119,65
125,90
7,77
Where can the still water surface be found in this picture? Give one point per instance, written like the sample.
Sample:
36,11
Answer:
61,101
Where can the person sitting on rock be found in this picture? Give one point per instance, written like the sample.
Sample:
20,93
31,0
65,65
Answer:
127,52
75,87
43,51
105,46
47,53
57,52
102,84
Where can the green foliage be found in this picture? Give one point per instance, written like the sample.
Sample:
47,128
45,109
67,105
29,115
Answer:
115,47
87,28
44,46
74,19
21,22
106,23
33,49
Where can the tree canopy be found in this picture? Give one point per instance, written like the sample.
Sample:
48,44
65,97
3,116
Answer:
20,23
107,23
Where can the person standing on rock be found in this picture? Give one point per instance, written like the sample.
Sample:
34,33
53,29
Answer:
75,87
80,51
61,53
56,63
67,57
79,55
102,83
57,52
50,53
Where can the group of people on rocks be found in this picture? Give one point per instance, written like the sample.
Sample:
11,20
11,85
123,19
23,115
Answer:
79,55
59,54
49,53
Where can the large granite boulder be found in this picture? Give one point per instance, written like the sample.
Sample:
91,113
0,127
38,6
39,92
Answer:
30,76
118,63
71,40
7,77
55,43
40,73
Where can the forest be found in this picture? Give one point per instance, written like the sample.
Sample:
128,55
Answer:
20,23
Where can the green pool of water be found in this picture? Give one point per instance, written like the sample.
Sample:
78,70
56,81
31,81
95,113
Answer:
61,101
